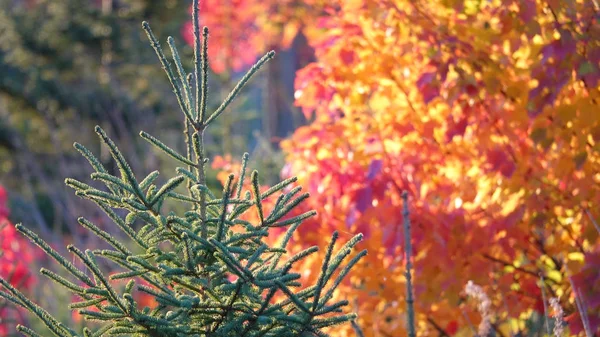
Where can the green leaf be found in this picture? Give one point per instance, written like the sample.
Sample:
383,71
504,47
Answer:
585,68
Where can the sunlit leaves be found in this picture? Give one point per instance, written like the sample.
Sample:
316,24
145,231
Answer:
485,111
482,110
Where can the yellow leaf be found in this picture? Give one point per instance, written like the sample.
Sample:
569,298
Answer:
554,275
564,166
506,329
322,153
576,256
588,113
518,90
565,113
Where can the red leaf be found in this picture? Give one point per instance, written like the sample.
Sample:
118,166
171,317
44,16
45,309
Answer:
425,79
428,86
348,56
452,328
364,199
456,128
3,209
527,10
501,162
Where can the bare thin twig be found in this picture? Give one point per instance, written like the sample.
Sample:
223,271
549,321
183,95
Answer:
410,312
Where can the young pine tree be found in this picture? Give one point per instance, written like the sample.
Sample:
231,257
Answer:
210,272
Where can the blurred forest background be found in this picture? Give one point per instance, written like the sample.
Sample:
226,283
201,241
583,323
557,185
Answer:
485,111
69,65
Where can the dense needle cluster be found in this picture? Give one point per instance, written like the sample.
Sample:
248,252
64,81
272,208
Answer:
210,272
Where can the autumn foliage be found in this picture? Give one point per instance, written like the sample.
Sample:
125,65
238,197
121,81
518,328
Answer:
16,257
485,111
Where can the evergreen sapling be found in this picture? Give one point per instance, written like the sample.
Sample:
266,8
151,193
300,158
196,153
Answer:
211,272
